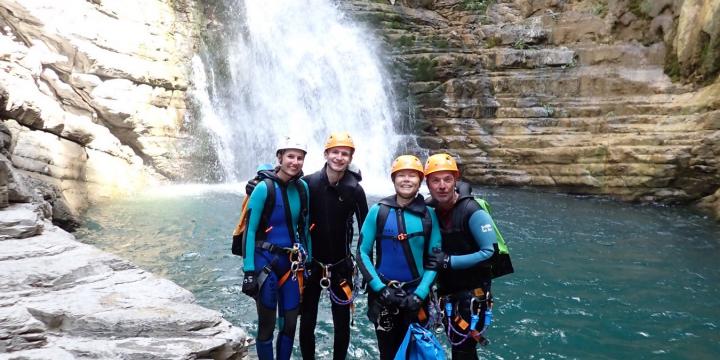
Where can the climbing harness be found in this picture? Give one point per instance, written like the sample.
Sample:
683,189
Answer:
467,330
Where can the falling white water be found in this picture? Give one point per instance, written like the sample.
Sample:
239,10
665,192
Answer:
299,68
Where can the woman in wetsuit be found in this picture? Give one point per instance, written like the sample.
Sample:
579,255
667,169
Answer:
401,228
277,247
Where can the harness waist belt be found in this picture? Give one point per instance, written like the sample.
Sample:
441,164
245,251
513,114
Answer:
410,283
272,248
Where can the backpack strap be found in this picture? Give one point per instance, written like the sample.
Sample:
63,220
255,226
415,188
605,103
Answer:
266,211
303,213
382,215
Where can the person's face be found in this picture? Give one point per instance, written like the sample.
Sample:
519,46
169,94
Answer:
339,158
442,186
407,183
291,162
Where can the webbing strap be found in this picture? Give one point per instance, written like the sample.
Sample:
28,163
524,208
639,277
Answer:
284,278
422,315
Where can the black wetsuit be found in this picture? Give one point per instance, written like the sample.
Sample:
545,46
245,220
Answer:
468,237
332,207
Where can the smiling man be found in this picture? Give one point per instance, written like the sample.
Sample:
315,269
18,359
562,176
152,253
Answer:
335,196
464,261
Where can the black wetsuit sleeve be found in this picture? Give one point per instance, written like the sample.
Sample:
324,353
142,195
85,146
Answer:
361,207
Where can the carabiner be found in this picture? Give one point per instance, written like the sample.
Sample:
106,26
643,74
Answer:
325,280
472,305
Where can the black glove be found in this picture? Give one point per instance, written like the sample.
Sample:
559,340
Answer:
391,297
437,260
249,284
250,186
411,303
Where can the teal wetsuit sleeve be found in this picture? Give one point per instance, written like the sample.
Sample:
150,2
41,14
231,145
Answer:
367,240
308,240
256,203
480,225
428,276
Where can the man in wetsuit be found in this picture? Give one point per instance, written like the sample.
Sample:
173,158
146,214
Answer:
464,261
335,196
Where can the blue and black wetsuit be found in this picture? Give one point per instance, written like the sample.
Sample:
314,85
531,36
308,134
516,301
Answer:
280,292
467,237
332,207
401,241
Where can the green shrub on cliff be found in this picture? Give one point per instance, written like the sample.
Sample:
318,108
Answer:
600,8
640,8
423,68
480,6
405,41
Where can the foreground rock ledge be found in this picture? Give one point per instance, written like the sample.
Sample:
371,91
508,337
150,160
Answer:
61,299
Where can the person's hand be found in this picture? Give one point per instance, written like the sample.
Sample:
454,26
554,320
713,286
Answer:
390,297
251,184
437,260
249,284
411,303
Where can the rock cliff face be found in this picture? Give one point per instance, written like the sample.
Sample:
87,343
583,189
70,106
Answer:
92,102
602,97
93,94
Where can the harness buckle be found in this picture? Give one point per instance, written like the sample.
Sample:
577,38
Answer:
402,237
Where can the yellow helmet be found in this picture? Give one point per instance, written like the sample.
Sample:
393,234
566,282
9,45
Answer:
407,162
339,139
441,162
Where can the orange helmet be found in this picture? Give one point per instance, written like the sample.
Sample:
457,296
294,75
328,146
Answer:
339,139
407,162
441,162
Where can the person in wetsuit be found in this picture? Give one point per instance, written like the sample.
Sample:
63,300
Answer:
463,261
277,251
335,196
402,228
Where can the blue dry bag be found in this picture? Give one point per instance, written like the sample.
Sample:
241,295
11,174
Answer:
420,344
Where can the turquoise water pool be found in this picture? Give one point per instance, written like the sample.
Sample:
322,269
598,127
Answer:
595,279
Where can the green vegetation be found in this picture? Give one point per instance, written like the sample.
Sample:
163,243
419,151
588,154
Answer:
439,42
405,41
672,65
600,8
549,110
398,24
520,44
492,42
480,6
640,8
423,68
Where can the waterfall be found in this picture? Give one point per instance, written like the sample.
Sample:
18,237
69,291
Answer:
300,68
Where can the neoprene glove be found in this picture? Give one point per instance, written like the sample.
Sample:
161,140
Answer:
251,184
437,260
249,284
411,303
390,297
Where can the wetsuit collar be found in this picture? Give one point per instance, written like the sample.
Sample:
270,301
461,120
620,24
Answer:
416,206
272,175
